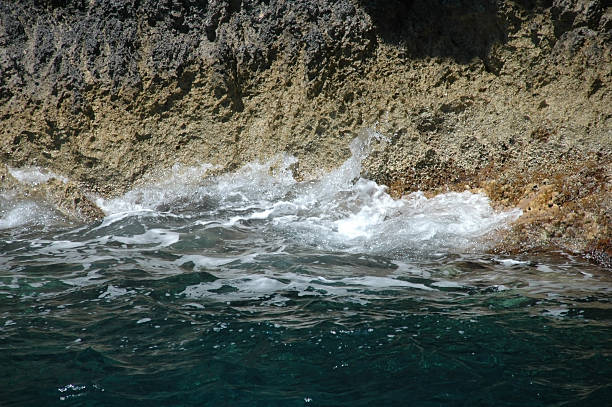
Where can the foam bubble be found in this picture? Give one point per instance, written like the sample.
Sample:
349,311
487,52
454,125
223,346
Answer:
383,282
160,237
113,292
205,261
376,207
341,211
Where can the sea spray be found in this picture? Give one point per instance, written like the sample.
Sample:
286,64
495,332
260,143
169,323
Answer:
34,175
166,191
340,211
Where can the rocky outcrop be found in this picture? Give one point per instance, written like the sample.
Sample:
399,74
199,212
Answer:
66,197
510,97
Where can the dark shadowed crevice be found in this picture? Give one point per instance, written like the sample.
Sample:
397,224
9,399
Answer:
462,30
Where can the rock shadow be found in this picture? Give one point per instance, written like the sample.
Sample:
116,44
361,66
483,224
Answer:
460,29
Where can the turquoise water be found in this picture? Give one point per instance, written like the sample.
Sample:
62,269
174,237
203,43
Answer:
251,289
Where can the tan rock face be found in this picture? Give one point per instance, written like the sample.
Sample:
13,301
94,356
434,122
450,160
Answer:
512,98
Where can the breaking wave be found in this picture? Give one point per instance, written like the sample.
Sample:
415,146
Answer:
340,211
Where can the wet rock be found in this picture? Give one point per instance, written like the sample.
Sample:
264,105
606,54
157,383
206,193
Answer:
601,251
7,181
65,196
496,95
69,200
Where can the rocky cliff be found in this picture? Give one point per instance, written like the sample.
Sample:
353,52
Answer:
509,97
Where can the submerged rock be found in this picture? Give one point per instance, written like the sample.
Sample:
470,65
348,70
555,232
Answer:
494,95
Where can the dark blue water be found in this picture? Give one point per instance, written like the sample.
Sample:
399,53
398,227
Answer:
254,290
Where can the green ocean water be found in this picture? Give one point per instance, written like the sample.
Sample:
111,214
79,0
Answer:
252,289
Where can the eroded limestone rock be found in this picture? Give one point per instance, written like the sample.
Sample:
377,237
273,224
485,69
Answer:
471,94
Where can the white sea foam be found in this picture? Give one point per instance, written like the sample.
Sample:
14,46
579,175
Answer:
341,211
18,214
18,211
34,175
249,286
511,262
92,278
205,261
113,292
382,282
143,320
152,236
167,192
447,284
377,205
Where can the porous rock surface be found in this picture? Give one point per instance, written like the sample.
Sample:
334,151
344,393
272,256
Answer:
512,98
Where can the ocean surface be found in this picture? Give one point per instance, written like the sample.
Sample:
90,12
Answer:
253,289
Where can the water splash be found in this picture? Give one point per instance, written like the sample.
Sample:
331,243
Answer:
34,175
341,211
167,192
25,213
